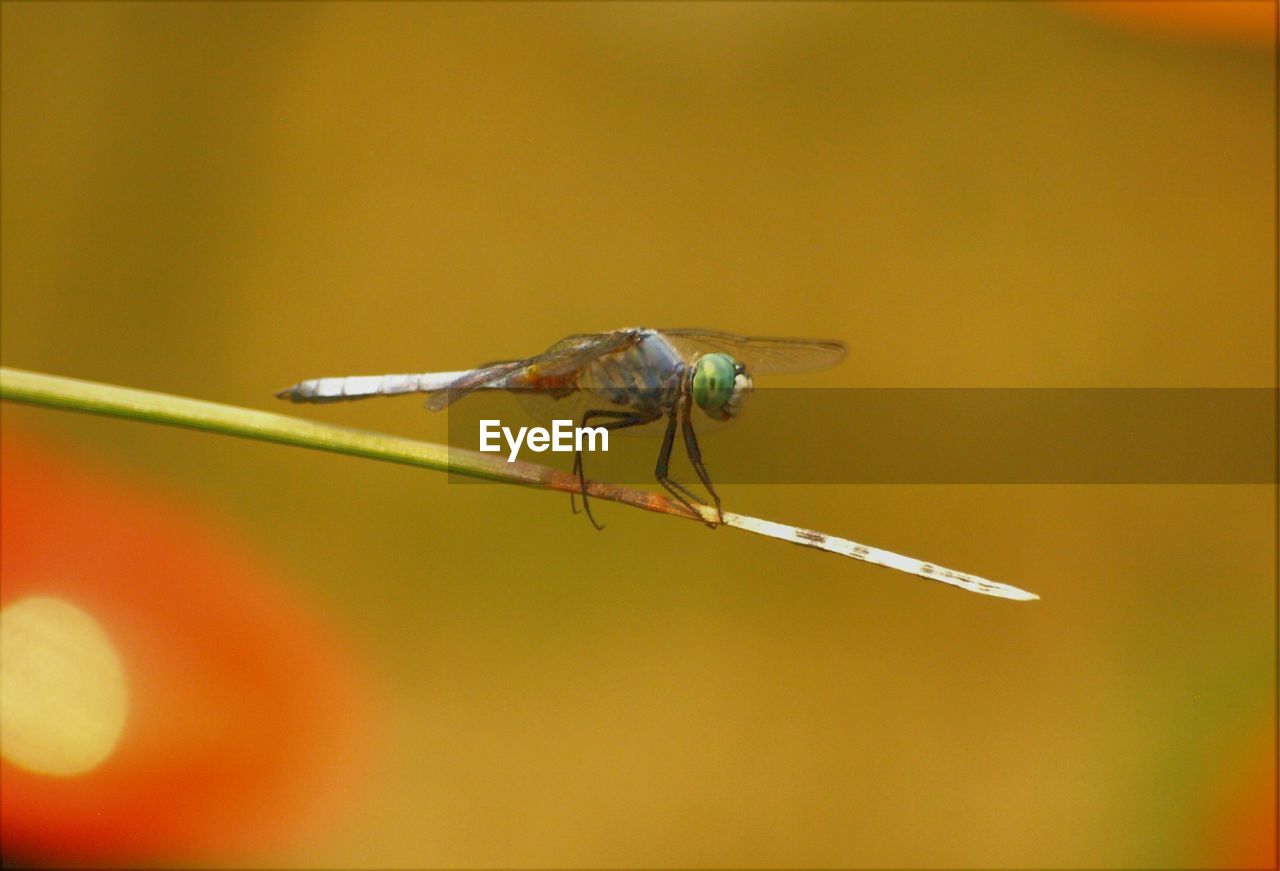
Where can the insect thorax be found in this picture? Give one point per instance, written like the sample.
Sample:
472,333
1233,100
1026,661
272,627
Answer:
645,376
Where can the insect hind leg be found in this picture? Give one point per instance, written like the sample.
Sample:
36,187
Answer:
616,420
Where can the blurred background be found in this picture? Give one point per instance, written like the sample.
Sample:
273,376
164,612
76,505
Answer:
219,200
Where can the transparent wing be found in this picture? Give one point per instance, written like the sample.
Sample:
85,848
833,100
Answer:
569,355
763,355
544,408
493,374
554,371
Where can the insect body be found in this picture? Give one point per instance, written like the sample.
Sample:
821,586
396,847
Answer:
629,377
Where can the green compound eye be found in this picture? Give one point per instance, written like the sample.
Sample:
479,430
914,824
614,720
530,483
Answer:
713,381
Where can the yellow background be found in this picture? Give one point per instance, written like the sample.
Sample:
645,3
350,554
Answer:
219,200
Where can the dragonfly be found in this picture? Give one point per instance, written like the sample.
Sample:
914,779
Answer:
624,378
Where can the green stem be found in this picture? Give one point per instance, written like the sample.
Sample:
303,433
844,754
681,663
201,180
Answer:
69,393
54,391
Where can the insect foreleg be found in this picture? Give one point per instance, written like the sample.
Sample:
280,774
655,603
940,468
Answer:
661,471
695,457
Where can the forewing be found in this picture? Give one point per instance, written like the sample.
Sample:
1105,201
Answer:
764,355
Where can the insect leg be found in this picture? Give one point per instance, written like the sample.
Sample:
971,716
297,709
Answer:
695,458
619,420
675,488
577,457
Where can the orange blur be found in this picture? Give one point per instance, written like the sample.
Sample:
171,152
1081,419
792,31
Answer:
1245,21
246,713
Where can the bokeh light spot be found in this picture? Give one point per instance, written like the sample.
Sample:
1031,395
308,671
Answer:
63,694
